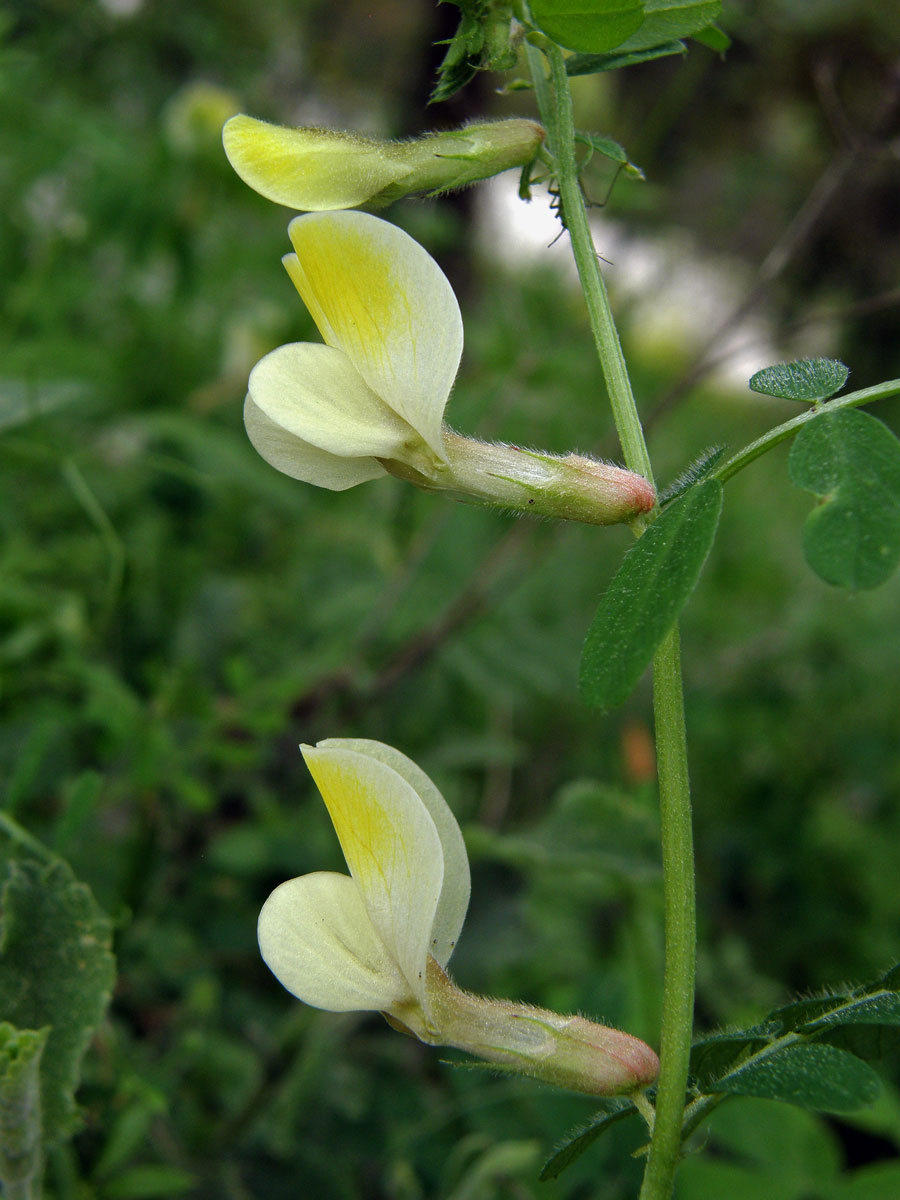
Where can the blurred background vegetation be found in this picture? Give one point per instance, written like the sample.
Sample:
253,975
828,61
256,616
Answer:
175,616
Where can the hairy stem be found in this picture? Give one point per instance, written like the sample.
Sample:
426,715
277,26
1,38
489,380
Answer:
555,102
678,900
556,113
768,441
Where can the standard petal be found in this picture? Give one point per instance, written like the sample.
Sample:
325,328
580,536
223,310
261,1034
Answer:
315,393
316,937
454,901
311,169
292,456
377,295
392,849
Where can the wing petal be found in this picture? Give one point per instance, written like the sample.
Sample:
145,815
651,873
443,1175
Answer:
292,456
316,937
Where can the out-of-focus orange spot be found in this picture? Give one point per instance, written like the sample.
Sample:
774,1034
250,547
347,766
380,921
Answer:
638,753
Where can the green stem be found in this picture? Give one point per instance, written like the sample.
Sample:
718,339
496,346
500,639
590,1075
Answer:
556,113
763,444
555,103
678,900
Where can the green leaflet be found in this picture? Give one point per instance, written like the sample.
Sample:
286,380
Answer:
852,461
807,379
669,20
715,1054
56,970
574,1143
813,1016
626,26
647,593
841,1028
592,25
808,1074
713,37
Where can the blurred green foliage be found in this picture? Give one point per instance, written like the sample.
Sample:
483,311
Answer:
175,616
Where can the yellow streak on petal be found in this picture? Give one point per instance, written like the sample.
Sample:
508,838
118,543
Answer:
379,297
354,297
371,840
392,849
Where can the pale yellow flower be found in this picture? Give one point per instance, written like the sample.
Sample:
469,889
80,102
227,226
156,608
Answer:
320,169
380,938
370,401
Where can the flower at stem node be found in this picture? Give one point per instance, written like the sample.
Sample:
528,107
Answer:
370,401
380,938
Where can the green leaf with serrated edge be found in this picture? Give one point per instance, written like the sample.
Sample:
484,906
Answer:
20,1107
669,20
714,38
808,379
851,460
808,1074
593,64
610,149
592,25
647,593
702,465
56,969
574,1143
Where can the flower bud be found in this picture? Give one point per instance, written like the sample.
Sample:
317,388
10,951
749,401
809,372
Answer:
320,169
566,1051
569,487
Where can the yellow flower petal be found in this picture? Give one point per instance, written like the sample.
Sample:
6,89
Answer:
392,849
454,901
315,393
310,169
292,456
316,937
378,295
